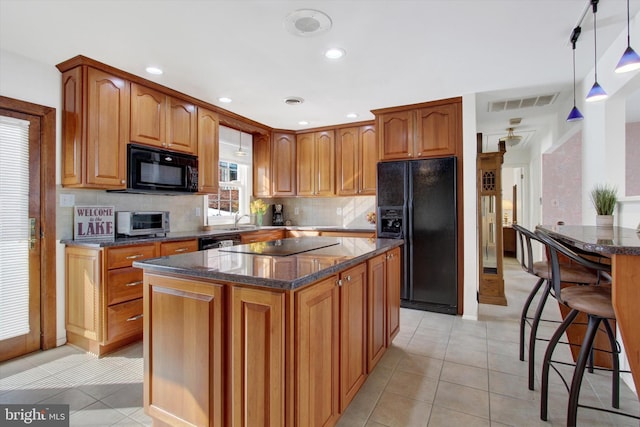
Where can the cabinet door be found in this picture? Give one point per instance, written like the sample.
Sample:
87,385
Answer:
107,130
353,332
316,357
261,166
148,116
394,271
437,130
257,357
325,161
208,152
72,128
347,162
396,135
376,320
83,282
368,160
305,164
182,125
183,351
283,163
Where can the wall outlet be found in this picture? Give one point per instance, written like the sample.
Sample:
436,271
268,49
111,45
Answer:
338,211
296,211
198,212
67,200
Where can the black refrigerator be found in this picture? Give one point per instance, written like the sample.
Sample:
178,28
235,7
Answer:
417,202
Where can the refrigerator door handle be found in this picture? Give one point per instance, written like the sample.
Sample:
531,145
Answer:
408,230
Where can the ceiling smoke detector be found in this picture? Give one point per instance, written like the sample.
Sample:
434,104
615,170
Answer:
511,139
293,100
307,22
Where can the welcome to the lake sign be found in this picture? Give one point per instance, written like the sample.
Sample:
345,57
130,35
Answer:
93,223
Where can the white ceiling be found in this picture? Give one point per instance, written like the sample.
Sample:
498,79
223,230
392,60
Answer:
398,52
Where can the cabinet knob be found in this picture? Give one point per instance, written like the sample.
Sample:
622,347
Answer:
409,154
339,282
419,154
348,278
122,181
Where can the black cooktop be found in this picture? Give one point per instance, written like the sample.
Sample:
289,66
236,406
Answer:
284,247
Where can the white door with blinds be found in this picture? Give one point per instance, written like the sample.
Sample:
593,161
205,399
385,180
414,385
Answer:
19,246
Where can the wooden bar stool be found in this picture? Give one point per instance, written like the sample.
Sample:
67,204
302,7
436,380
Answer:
569,273
595,302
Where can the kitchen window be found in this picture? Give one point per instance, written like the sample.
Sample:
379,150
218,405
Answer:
234,179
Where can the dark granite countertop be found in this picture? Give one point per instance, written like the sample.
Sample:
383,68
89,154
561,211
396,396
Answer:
123,241
271,271
606,241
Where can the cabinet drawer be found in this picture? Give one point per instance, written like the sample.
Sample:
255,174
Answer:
124,319
124,256
124,284
179,247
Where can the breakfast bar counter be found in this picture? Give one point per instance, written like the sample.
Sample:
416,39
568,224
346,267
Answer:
268,333
622,245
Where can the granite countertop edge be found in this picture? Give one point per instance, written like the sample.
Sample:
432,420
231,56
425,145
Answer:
184,235
286,285
613,241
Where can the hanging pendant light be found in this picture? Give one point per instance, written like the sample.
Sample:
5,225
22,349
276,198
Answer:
596,93
240,152
630,59
575,114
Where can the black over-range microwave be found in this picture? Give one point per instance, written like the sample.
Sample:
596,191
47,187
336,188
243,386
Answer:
151,170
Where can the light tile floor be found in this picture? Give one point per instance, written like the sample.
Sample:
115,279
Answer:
440,371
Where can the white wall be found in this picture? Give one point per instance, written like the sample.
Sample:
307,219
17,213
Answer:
27,80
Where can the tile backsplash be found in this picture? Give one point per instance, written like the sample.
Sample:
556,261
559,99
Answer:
327,211
182,208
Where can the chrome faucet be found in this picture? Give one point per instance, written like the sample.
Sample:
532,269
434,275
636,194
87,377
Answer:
237,217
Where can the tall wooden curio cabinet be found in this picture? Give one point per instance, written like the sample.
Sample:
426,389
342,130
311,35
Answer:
489,166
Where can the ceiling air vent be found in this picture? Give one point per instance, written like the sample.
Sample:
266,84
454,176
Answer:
307,22
528,102
293,100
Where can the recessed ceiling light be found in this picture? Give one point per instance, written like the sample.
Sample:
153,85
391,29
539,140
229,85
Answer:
352,115
224,99
154,70
335,53
303,122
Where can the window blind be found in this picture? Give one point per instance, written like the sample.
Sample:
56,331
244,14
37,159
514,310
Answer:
14,227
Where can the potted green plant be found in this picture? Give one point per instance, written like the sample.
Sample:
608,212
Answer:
604,198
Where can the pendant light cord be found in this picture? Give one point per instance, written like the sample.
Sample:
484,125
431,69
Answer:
628,30
594,3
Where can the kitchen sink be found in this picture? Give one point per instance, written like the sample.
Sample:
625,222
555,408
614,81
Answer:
240,227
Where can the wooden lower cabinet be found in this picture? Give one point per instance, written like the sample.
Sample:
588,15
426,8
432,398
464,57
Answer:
184,329
376,317
317,351
353,332
261,236
104,292
225,354
394,283
257,357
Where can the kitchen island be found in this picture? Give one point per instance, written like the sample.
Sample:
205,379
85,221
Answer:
269,333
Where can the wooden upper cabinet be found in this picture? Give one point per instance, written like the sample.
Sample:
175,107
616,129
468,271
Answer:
283,164
208,151
181,126
437,130
148,116
315,161
95,129
261,165
368,150
347,172
432,129
305,159
356,160
396,135
162,121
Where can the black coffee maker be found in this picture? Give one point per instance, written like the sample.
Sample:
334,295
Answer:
278,215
